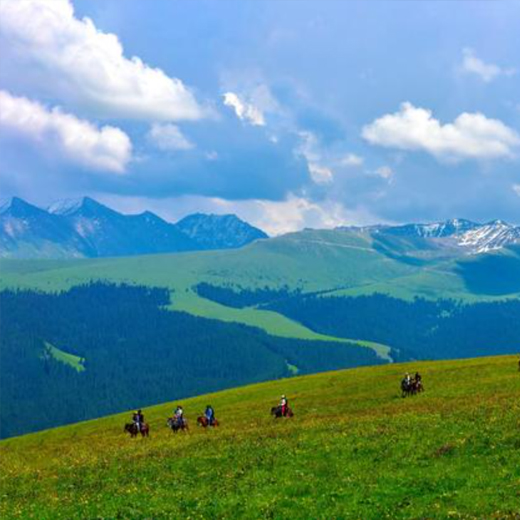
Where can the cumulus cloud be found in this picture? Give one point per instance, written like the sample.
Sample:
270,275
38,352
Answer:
516,189
385,172
107,148
244,111
311,151
291,214
168,137
470,136
485,71
320,174
86,66
352,160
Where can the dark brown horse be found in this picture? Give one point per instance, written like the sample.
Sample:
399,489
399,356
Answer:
177,424
202,420
411,388
277,412
133,430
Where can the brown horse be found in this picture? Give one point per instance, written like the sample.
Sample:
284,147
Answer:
176,424
277,412
412,388
133,430
202,420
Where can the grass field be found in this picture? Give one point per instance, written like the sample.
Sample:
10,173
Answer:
354,449
71,360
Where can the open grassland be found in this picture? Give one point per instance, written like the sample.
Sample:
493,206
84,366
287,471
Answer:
355,449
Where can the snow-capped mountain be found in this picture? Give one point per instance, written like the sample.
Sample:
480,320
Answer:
84,228
494,235
447,228
471,236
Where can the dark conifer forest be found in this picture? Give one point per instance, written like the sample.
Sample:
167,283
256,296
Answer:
134,353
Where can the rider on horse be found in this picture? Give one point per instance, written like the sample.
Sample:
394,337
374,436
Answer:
178,415
210,415
138,419
284,405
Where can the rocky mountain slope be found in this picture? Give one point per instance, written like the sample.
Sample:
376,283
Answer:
85,228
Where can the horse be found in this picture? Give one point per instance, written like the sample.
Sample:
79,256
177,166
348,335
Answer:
412,387
277,412
202,420
176,424
133,430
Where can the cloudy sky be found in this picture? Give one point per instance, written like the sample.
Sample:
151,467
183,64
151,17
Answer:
289,113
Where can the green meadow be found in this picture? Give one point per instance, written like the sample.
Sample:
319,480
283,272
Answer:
354,449
335,263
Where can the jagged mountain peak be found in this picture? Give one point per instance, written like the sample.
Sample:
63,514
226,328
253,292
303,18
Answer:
18,207
212,231
82,205
83,227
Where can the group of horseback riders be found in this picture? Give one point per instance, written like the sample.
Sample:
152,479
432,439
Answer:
411,385
176,422
179,422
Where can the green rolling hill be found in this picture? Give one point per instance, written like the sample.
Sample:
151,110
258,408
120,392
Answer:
355,449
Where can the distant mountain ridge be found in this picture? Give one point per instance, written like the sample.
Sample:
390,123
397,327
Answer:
84,228
470,236
219,231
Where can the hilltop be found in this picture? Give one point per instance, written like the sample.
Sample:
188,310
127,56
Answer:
355,449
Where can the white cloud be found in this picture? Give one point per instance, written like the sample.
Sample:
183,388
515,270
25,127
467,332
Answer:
311,151
320,174
296,213
516,189
352,160
168,137
107,148
86,66
385,172
486,71
470,136
244,111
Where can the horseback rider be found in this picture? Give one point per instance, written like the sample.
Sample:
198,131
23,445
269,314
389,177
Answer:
284,405
210,415
178,415
138,419
408,379
418,377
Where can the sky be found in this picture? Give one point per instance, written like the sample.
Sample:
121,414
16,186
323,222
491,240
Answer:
289,113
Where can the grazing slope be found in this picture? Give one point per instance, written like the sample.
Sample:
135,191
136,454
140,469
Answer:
354,449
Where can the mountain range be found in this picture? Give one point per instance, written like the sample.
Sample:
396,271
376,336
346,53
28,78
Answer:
85,228
471,237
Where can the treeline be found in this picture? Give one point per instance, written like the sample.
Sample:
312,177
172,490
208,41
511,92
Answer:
240,297
426,329
136,352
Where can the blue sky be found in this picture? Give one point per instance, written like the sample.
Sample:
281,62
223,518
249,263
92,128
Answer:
288,113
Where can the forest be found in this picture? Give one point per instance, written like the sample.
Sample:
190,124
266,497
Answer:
426,329
134,353
418,329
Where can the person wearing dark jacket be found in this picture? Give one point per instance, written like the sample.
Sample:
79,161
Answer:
210,415
138,419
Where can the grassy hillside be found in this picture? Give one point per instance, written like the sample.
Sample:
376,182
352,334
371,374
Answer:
355,449
341,262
